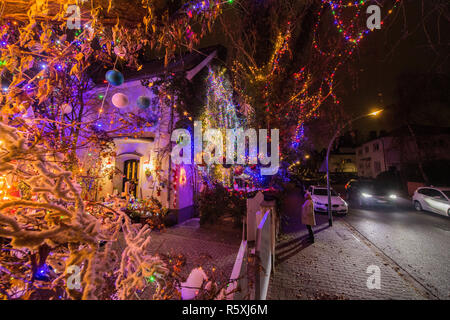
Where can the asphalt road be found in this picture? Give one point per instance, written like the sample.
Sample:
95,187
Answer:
419,242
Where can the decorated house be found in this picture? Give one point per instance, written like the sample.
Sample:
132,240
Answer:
135,160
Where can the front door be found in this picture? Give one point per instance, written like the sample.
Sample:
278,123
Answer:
130,172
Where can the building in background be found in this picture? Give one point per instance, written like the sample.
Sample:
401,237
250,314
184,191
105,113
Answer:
400,150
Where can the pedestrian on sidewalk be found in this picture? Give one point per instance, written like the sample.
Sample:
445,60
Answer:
308,216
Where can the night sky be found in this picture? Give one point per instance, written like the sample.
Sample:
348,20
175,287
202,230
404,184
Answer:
384,56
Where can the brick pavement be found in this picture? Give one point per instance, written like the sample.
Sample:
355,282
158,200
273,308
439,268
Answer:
334,267
202,246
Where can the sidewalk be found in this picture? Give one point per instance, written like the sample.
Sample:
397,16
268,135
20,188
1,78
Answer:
334,267
202,246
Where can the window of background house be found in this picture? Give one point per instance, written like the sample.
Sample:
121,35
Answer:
377,166
376,147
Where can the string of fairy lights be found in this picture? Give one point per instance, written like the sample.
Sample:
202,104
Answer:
346,17
350,33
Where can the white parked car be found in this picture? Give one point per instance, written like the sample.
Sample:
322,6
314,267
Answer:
319,196
432,199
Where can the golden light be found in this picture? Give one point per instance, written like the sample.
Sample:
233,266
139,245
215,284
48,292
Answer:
183,178
375,113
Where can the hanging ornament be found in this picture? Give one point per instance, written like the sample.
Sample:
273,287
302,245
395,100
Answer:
114,77
119,100
143,102
239,170
66,108
120,51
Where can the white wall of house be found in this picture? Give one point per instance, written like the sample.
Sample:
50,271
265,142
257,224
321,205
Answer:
371,157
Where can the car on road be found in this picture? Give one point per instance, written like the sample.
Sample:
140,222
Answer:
432,199
367,192
319,197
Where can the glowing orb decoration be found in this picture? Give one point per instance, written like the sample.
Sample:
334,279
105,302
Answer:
190,288
120,51
183,178
114,77
120,100
143,102
66,108
239,170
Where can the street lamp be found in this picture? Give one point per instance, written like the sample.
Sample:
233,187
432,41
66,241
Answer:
330,211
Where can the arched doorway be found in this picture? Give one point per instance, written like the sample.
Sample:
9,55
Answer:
131,173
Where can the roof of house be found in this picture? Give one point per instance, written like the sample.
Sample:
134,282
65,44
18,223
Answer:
156,67
419,130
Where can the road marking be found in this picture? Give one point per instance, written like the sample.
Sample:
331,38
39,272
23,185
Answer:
356,238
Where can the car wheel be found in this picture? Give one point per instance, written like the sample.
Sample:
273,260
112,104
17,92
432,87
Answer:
417,206
448,212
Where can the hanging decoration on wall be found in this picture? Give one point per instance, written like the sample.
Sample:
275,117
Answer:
120,100
143,102
66,108
114,77
239,170
120,51
183,178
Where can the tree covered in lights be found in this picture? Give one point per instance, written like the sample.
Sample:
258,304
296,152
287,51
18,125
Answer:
46,69
285,57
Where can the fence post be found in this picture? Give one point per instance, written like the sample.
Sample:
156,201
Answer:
263,257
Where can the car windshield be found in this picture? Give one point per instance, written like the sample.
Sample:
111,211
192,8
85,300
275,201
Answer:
323,192
447,193
377,187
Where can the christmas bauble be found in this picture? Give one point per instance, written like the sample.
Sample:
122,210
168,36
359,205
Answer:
239,170
66,108
119,100
120,51
114,77
143,102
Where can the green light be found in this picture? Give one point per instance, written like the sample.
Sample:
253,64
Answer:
100,96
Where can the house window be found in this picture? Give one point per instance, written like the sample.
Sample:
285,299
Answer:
360,152
366,149
376,147
377,166
368,164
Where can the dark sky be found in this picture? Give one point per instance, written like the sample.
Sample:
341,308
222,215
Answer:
385,55
369,80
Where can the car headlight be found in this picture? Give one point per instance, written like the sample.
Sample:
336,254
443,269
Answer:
366,195
393,196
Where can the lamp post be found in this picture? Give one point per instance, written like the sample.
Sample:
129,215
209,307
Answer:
330,211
